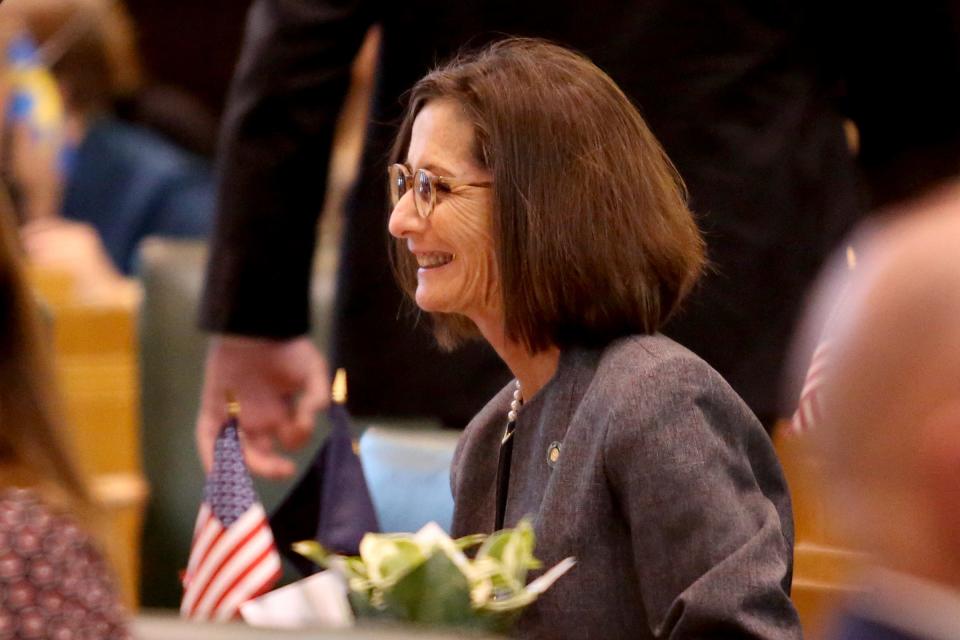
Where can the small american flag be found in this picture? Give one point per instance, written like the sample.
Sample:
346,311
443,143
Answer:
809,413
233,557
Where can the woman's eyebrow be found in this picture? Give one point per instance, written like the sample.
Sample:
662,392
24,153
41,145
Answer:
437,170
433,168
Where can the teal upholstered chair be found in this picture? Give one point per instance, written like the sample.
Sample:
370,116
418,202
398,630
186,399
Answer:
171,356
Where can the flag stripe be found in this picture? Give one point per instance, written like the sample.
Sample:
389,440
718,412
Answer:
819,365
254,581
240,557
202,518
204,538
233,556
226,545
193,585
814,378
197,581
244,570
216,534
808,414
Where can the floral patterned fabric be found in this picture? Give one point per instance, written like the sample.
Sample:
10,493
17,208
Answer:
54,584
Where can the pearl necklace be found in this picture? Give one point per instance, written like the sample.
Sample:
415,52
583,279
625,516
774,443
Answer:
515,405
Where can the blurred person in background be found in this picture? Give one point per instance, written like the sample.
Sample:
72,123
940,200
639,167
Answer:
749,100
115,182
54,581
890,436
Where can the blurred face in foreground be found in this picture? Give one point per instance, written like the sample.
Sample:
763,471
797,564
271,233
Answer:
445,216
891,397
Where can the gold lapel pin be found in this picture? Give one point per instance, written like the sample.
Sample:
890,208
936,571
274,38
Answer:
553,454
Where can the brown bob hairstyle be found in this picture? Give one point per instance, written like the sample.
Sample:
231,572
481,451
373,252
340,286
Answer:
591,230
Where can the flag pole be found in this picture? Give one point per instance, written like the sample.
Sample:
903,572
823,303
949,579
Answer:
331,503
231,524
339,392
233,407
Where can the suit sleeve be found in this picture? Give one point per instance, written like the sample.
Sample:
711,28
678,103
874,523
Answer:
289,86
707,507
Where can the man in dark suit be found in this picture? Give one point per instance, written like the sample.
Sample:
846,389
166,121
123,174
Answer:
743,95
890,434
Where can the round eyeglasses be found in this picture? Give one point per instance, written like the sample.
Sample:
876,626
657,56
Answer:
424,185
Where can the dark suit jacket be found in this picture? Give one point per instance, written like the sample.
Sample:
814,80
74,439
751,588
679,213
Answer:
666,491
744,95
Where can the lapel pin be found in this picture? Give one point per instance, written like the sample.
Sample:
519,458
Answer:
553,454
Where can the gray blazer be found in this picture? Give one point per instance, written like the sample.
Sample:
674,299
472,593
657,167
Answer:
667,491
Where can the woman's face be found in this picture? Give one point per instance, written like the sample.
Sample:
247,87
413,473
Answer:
454,245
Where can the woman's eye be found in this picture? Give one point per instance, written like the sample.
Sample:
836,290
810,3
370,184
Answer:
423,185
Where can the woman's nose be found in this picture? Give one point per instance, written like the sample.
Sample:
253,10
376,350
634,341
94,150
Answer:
404,219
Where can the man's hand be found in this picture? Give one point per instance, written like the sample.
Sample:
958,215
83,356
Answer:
280,385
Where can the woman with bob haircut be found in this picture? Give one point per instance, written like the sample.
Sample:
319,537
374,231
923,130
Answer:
533,208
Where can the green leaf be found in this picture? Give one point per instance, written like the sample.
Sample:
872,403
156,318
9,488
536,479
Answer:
426,578
467,542
363,608
436,592
312,550
511,552
388,558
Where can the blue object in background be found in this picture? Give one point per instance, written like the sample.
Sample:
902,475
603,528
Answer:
35,96
408,472
130,183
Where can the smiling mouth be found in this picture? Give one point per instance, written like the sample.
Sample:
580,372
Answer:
433,260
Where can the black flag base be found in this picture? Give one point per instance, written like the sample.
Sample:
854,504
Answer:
330,504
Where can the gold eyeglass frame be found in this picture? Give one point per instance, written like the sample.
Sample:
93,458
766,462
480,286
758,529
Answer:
420,175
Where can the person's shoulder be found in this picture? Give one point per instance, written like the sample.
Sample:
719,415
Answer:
650,387
46,551
491,418
487,425
478,445
638,366
23,508
26,518
40,535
